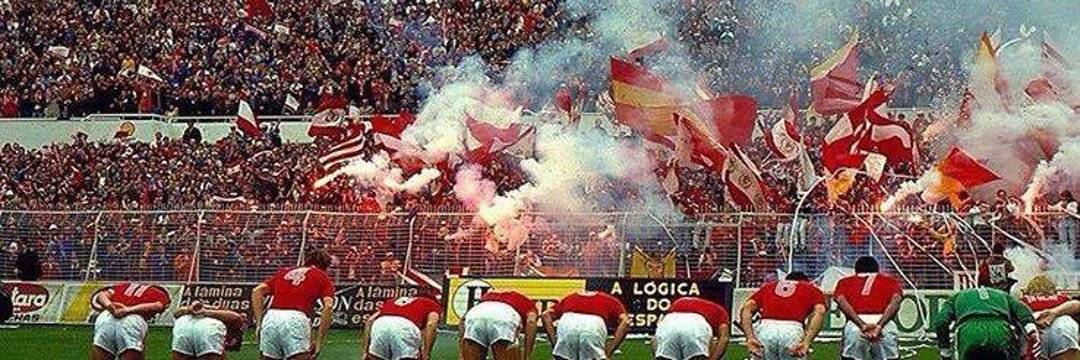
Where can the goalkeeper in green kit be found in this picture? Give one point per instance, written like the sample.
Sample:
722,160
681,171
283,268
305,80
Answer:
987,323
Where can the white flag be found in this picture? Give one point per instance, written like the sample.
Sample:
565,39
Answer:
147,72
61,51
875,165
291,102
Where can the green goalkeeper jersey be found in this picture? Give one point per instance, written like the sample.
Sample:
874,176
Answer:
980,305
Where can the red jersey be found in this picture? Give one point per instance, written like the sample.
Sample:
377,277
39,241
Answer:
600,304
415,309
868,293
521,303
712,312
787,300
299,288
1040,303
131,294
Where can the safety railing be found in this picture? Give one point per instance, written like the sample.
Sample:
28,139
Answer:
927,250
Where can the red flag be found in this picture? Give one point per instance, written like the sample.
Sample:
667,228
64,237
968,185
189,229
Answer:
1040,89
865,130
695,146
259,9
742,179
392,126
834,84
782,138
347,150
959,173
246,120
328,123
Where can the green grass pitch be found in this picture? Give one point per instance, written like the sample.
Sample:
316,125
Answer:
73,342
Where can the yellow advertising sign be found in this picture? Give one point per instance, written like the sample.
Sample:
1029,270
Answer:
463,293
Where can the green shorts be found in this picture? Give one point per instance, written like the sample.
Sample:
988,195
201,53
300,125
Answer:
989,335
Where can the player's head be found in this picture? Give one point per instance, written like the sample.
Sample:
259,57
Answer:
1040,285
866,265
797,276
317,258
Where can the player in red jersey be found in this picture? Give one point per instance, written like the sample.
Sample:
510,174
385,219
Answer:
120,328
694,328
584,319
205,333
494,324
284,331
1054,314
869,300
404,328
784,305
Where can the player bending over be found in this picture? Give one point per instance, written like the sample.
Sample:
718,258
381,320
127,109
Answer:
792,312
986,322
1054,315
204,333
285,330
121,326
583,322
693,329
395,333
869,300
495,324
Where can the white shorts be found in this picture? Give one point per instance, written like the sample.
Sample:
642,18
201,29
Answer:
198,336
284,334
580,337
681,336
1060,337
490,322
778,337
394,338
118,335
857,347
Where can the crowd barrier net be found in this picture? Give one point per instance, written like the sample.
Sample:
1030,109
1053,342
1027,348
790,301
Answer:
930,250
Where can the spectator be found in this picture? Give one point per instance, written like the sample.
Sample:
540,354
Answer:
1067,227
27,263
192,134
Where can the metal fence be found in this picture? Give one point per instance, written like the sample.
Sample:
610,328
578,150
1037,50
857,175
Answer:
928,250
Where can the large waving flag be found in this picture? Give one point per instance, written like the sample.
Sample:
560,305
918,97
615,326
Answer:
956,174
783,138
865,131
695,146
351,148
646,103
495,138
834,84
246,120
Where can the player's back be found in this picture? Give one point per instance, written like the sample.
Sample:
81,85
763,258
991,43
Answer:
299,288
981,302
787,300
868,293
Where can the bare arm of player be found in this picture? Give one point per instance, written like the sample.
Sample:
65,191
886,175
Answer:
817,318
530,334
365,335
146,310
430,332
890,313
105,299
1069,308
326,318
549,326
620,335
746,323
849,311
258,307
719,344
225,316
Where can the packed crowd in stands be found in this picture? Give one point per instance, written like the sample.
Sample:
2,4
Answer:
62,58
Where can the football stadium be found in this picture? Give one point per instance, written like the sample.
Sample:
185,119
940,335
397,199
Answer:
539,179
